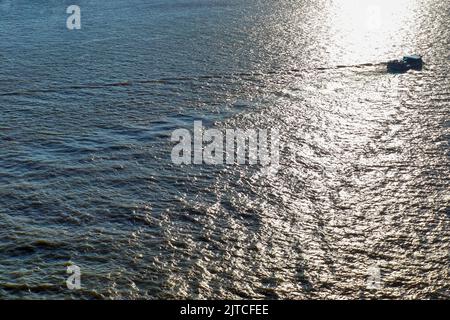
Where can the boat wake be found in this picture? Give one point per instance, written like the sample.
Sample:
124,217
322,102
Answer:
171,80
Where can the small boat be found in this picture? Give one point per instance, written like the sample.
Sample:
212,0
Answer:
408,62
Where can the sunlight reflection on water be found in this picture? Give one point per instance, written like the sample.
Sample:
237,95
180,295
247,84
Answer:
86,176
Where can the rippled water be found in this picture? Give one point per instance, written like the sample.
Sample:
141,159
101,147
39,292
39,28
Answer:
85,170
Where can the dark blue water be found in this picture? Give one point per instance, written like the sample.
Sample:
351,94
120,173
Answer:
86,176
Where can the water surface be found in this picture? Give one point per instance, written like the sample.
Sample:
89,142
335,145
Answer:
86,175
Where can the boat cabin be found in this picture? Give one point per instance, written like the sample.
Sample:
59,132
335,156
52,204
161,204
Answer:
414,61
